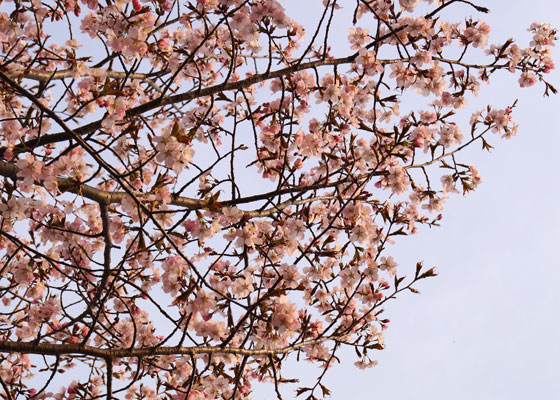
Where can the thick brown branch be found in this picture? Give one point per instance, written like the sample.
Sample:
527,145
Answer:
43,76
54,349
184,97
105,197
212,90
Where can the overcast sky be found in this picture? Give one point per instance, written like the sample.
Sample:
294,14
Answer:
487,327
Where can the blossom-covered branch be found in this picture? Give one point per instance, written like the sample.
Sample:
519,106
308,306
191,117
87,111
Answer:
194,193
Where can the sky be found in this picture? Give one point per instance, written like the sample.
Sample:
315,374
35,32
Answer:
487,327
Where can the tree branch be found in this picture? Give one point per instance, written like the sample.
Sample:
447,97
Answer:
43,76
106,197
54,349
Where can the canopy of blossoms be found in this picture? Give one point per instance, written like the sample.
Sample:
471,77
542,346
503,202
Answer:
194,192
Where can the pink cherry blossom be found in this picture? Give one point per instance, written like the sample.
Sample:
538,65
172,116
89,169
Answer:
285,315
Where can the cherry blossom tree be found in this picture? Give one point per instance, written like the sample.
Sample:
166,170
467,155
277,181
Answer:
195,193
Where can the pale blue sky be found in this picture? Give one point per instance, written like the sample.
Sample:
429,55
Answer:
487,327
